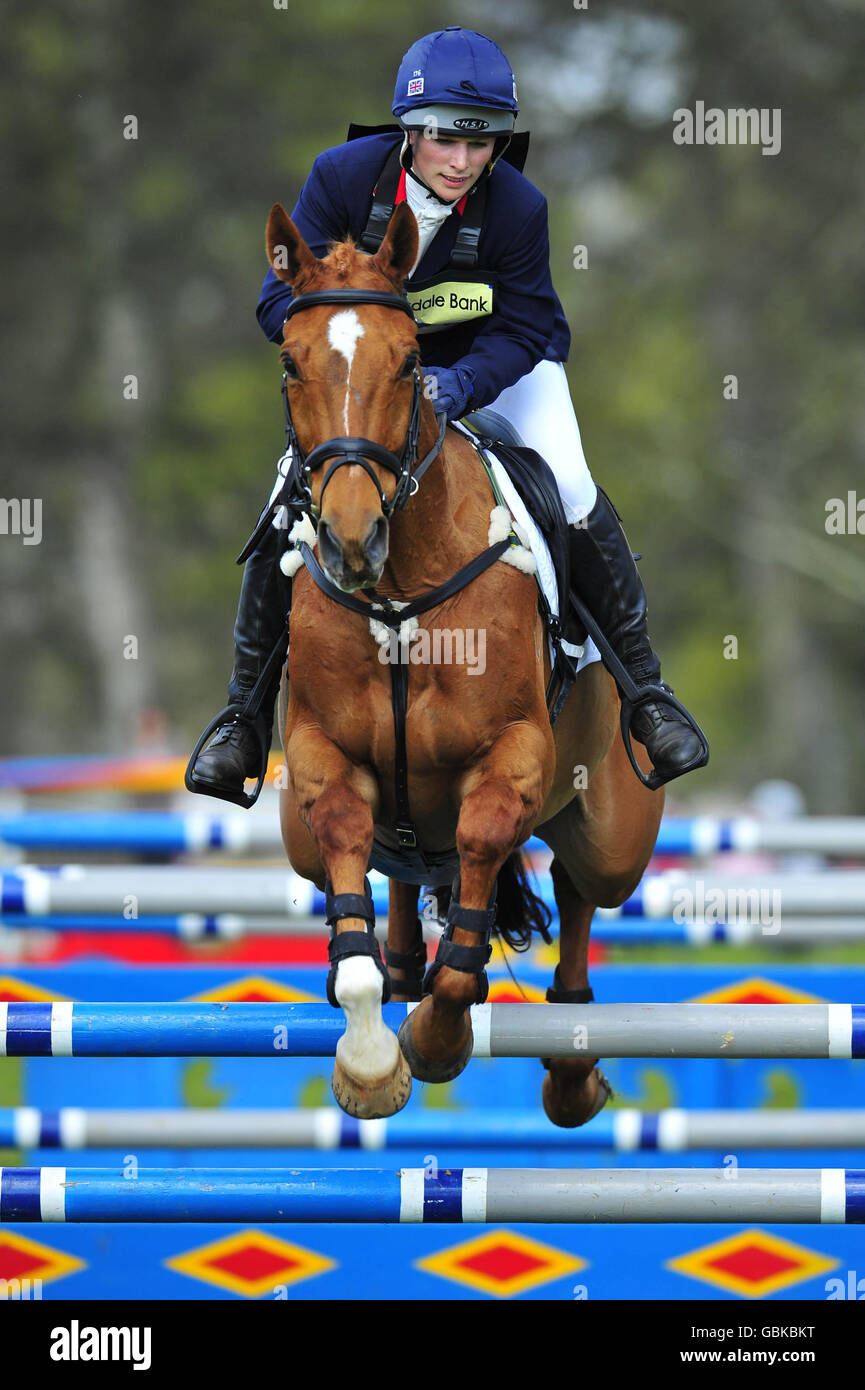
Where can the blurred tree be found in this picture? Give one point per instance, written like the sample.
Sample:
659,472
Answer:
141,258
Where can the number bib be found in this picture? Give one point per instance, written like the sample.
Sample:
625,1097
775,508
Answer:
446,301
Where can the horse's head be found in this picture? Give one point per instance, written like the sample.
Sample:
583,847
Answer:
352,379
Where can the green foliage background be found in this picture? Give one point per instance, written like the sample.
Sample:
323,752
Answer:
145,256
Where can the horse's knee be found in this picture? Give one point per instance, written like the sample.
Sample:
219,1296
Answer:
490,822
341,823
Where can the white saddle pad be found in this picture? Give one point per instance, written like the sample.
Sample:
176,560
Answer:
546,575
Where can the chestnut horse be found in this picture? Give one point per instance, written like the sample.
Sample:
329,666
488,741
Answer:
485,769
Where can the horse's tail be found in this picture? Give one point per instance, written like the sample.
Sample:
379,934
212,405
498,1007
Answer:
519,910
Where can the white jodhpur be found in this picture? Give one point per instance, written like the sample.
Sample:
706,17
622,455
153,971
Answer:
539,407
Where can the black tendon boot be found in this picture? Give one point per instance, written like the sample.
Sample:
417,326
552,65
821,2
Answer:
241,745
605,575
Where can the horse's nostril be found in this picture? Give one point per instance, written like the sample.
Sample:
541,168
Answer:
329,547
376,538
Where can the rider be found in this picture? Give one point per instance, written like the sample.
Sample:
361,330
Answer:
491,322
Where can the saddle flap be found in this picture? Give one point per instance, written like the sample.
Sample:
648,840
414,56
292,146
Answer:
536,485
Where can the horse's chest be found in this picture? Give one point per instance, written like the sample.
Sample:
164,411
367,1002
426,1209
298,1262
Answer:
445,720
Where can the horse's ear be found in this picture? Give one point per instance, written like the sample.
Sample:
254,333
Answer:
398,252
287,251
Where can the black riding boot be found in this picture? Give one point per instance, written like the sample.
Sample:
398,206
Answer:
605,575
239,749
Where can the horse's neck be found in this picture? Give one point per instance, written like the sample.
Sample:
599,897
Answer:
445,524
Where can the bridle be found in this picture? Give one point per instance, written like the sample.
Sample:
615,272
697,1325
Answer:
355,450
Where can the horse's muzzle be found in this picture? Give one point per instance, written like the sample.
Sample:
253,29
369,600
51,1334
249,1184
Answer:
354,564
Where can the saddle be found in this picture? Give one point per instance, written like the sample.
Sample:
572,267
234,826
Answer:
535,482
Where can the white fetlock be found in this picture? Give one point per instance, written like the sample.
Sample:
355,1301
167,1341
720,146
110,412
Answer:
370,1078
368,1048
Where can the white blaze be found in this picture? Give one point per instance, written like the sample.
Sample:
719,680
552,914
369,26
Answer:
343,331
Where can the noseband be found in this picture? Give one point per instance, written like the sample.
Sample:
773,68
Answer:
354,450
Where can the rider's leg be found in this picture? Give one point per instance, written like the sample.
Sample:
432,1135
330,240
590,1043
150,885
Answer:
539,407
235,753
265,597
264,601
603,569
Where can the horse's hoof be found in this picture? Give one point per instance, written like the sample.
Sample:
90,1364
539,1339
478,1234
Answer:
370,1076
427,1068
569,1100
374,1099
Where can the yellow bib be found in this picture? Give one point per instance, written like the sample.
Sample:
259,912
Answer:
451,301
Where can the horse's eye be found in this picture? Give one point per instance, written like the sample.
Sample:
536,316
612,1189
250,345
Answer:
289,366
409,366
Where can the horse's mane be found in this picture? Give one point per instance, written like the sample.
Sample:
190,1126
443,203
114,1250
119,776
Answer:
343,257
345,261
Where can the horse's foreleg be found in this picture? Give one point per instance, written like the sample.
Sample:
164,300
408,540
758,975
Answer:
405,953
501,800
334,800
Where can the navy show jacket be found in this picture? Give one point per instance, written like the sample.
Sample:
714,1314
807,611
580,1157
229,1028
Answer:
528,323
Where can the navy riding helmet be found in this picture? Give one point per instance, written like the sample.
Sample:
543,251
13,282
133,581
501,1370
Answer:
459,82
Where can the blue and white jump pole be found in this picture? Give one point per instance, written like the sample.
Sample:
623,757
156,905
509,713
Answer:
199,832
135,891
449,1196
62,1029
328,1129
607,929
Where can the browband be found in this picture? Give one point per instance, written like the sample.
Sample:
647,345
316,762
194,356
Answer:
388,301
